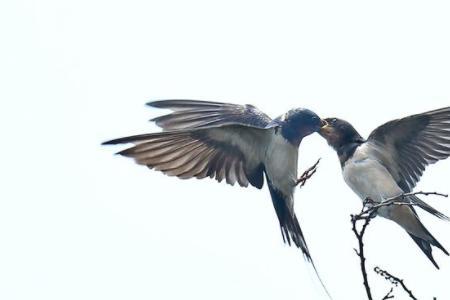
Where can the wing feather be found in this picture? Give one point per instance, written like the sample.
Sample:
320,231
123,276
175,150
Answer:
412,144
188,114
231,153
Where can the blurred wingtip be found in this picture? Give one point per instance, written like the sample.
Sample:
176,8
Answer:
162,103
113,142
154,103
106,143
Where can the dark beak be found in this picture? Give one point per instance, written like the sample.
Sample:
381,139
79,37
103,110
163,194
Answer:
323,123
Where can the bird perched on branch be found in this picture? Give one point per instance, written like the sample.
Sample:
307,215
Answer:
390,163
235,143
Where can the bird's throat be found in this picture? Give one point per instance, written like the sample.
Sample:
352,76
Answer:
346,151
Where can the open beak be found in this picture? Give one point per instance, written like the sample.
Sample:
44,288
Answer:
326,129
323,123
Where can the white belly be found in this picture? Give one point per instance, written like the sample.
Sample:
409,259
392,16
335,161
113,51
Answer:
281,161
368,178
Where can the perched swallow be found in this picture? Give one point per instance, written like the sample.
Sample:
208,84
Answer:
390,163
235,143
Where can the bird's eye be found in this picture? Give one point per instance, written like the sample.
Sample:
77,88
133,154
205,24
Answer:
333,121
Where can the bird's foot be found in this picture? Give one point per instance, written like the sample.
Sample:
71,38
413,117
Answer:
307,174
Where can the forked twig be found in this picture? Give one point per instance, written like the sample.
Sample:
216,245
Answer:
394,280
360,235
389,294
369,211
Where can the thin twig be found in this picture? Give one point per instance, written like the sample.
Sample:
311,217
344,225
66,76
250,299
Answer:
395,280
369,211
389,294
360,253
393,201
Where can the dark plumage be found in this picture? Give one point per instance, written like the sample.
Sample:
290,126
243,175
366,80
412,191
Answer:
197,114
344,138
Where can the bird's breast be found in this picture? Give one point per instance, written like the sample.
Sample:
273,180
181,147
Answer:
368,178
281,159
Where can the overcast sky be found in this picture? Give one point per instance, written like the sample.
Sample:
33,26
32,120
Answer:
77,222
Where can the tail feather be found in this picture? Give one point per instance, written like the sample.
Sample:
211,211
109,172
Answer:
425,245
426,248
428,208
406,217
435,242
290,227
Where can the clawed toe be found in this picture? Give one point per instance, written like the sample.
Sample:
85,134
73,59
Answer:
307,174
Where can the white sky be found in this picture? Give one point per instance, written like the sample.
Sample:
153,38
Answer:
77,222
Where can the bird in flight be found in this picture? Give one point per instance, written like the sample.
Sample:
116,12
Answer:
236,143
390,163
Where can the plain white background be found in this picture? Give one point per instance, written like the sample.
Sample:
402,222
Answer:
77,222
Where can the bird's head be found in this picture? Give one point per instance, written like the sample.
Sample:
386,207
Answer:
300,122
339,133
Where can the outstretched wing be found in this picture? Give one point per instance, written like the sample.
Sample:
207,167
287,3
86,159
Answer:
188,114
406,146
232,152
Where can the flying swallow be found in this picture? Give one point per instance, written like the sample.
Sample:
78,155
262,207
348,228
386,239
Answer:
390,163
236,143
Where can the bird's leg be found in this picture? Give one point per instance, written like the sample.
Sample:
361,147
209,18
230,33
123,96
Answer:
307,174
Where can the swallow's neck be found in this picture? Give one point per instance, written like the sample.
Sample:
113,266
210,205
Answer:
293,135
347,150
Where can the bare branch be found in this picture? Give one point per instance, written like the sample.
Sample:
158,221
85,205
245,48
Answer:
394,280
360,235
369,211
398,200
422,193
389,294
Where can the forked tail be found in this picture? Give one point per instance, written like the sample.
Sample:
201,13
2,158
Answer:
290,227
